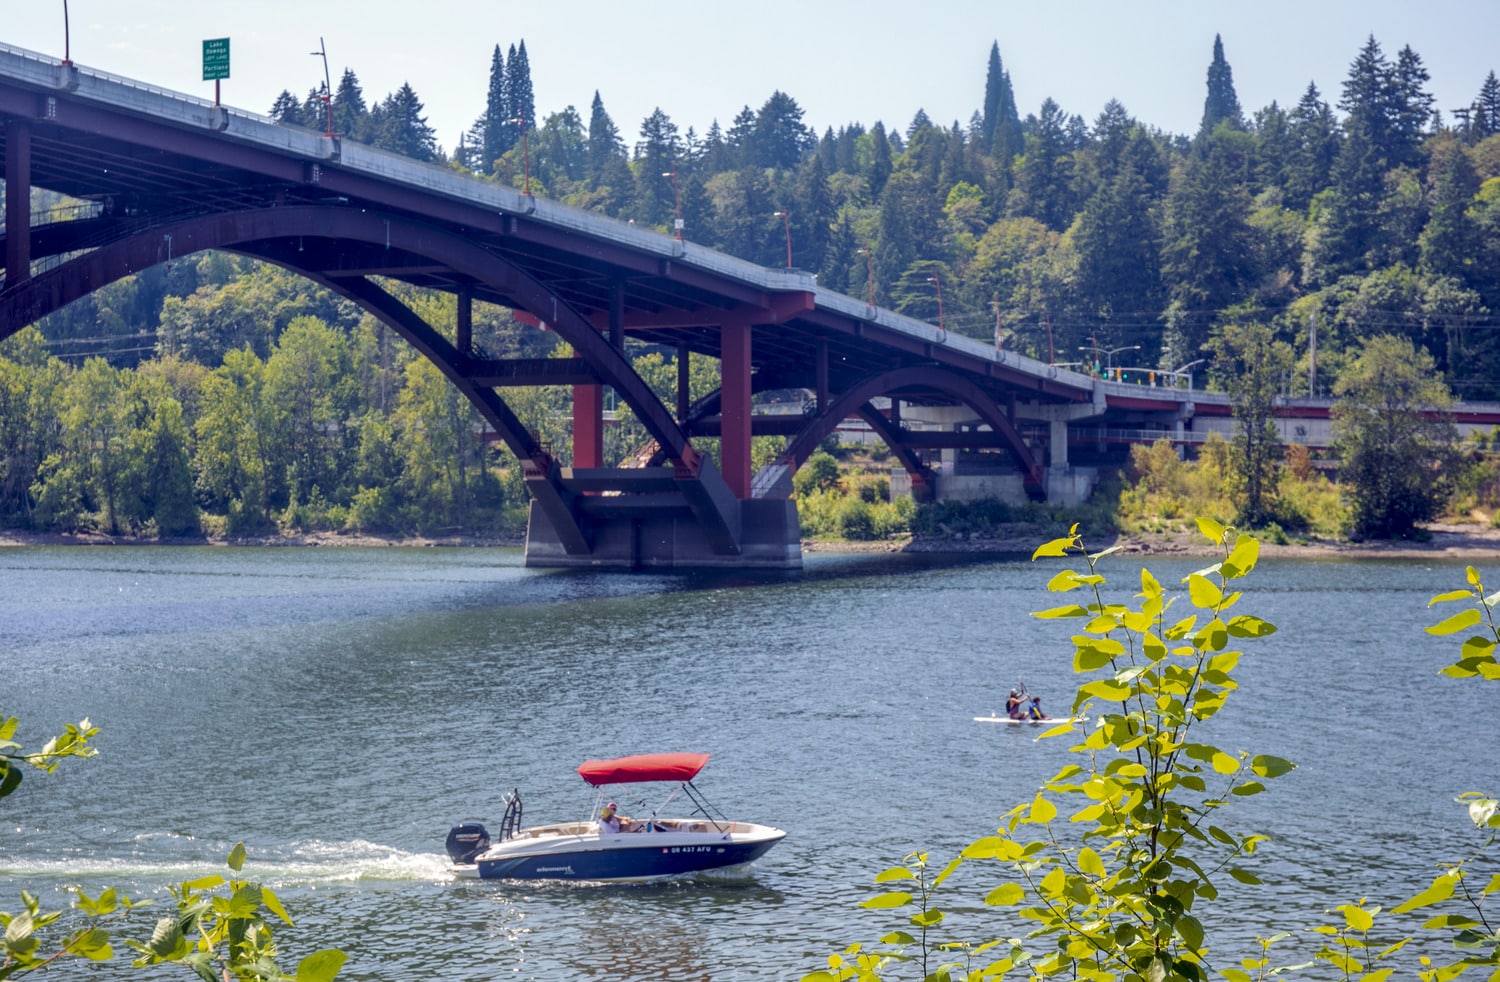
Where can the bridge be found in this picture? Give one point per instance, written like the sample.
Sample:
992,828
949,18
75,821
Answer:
163,174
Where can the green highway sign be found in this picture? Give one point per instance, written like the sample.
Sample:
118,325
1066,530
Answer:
215,59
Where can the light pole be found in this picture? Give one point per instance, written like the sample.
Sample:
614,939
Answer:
869,274
322,52
677,198
67,51
525,154
1186,369
1109,355
786,222
933,279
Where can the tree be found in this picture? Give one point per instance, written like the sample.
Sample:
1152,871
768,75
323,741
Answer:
401,127
778,138
488,134
1450,243
1221,105
1206,244
1000,124
1043,188
351,117
656,154
1314,138
520,98
1253,366
605,145
1395,439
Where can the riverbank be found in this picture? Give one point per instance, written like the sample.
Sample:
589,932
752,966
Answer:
1438,540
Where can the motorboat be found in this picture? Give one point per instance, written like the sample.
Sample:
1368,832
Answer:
647,847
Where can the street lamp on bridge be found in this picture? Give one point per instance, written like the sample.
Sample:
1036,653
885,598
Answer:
525,154
1109,355
942,331
786,222
1187,370
869,274
327,96
677,198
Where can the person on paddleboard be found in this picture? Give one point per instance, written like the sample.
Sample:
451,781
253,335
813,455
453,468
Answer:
1034,711
1013,705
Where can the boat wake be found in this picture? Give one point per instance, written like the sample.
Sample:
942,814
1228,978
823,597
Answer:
309,863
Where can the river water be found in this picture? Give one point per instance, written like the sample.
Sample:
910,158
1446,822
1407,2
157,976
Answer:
338,710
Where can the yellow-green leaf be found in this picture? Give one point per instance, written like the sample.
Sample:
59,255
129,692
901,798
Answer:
1057,547
320,966
237,857
1460,621
1441,889
1211,530
1089,862
1072,610
1203,592
1005,895
1225,764
1443,598
885,901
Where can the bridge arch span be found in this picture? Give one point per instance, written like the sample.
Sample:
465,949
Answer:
297,237
855,401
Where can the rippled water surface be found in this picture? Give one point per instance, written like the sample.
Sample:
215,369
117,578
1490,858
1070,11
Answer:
338,710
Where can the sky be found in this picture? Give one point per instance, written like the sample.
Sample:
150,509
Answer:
843,62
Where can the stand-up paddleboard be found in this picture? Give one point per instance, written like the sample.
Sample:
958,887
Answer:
992,718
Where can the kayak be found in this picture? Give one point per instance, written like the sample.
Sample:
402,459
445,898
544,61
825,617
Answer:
992,718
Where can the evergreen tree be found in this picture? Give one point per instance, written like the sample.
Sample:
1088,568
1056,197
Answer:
1118,243
880,159
1206,247
1413,112
656,154
740,140
1450,240
1484,119
489,130
520,97
1000,123
403,129
778,138
508,133
286,109
1221,105
351,117
713,155
1314,134
1044,174
813,203
605,145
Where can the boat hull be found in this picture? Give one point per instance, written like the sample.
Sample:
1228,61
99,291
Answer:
624,857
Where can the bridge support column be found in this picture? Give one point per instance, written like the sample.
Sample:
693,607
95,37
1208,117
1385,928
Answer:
17,202
734,408
1057,444
588,426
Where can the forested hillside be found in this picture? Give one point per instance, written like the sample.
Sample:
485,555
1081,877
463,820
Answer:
231,390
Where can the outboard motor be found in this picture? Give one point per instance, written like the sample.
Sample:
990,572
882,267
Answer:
467,841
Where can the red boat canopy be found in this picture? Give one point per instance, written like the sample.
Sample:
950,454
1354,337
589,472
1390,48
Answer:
642,767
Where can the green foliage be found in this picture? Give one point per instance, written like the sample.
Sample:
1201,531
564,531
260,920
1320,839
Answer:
1107,862
218,934
1395,438
820,473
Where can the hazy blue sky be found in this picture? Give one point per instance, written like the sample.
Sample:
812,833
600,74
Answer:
842,61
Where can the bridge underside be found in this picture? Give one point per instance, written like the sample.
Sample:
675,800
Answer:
160,187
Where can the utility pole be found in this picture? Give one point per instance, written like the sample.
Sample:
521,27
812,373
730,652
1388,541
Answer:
1312,354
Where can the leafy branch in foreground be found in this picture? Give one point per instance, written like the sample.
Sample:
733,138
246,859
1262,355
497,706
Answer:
1115,899
218,937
